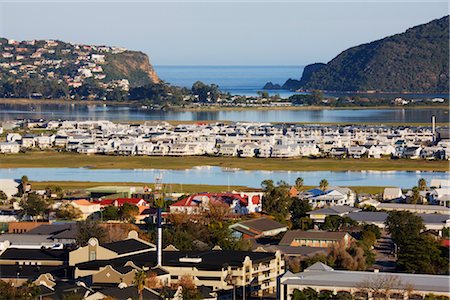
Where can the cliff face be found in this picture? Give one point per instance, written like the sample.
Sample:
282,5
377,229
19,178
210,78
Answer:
414,61
133,65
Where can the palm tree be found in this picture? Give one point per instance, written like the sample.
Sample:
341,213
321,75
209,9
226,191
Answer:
415,195
139,282
323,184
23,185
299,183
422,184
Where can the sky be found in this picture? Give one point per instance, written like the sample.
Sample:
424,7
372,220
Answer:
218,33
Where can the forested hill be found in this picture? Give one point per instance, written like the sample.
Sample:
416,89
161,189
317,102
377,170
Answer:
414,61
57,69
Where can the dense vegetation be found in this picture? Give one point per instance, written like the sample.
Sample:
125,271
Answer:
413,61
417,252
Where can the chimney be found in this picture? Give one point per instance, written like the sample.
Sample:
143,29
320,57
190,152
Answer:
159,232
433,127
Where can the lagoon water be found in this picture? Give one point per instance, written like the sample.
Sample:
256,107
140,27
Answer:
219,176
119,113
242,80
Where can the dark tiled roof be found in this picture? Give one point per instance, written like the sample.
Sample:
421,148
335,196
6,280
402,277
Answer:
51,229
123,269
291,235
29,271
262,224
211,259
130,293
70,233
34,254
126,246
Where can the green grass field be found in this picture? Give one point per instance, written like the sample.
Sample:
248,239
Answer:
74,160
175,188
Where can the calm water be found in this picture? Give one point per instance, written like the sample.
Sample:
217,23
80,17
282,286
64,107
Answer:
115,113
219,176
238,80
247,80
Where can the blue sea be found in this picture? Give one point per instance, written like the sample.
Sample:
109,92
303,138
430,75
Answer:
238,80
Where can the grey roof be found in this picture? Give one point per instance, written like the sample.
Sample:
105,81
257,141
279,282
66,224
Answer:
368,216
50,229
262,224
291,235
334,210
318,266
378,216
403,206
434,218
327,277
25,239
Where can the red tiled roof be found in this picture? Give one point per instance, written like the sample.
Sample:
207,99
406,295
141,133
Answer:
106,202
121,201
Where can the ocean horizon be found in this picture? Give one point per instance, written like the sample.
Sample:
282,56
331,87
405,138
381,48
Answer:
237,80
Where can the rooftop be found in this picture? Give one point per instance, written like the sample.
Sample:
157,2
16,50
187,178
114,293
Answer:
322,275
291,235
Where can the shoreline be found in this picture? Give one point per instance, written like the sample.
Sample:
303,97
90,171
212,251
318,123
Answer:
210,108
49,159
176,187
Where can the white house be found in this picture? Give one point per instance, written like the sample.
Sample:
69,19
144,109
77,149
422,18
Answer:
248,150
9,187
9,147
229,149
333,196
282,151
357,151
391,193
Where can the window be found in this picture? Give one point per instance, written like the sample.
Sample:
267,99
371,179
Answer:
92,255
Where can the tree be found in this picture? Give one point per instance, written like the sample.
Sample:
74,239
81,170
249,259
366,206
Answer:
28,291
323,184
277,199
110,213
415,197
349,258
34,205
298,210
128,211
55,190
381,286
335,223
299,183
403,225
139,282
68,212
23,185
205,92
3,196
422,255
422,184
372,228
190,291
88,229
342,295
